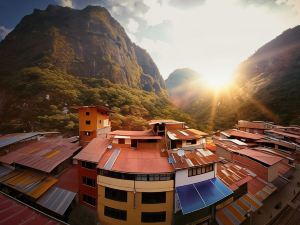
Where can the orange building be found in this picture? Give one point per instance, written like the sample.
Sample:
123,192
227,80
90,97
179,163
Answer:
93,122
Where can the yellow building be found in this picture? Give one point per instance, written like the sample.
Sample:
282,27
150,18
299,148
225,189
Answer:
135,182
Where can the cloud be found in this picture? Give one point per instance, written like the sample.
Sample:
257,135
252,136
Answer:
186,4
295,4
65,3
3,32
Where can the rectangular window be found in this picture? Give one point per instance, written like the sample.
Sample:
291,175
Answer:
153,197
152,217
89,181
154,177
89,200
114,194
194,141
87,113
115,213
100,121
121,141
88,165
87,122
87,133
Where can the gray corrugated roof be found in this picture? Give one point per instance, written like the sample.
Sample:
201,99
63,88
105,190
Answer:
5,141
4,171
57,200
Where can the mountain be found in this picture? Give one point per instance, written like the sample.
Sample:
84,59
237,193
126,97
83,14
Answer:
272,76
185,86
267,87
60,56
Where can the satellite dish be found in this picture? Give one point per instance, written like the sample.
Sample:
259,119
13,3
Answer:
180,152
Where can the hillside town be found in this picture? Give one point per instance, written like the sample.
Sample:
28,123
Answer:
168,174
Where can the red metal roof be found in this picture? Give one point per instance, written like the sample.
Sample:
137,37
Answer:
182,134
94,150
284,134
145,134
253,124
16,213
131,160
261,156
243,134
151,122
68,179
43,155
197,157
232,175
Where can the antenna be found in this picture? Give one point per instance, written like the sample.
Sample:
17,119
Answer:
180,152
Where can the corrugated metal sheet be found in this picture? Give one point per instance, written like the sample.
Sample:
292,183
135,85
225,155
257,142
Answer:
4,171
15,213
57,200
14,138
42,155
30,183
235,213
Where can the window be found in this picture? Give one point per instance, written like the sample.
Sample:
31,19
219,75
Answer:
87,122
88,165
138,177
121,141
191,142
115,194
87,113
153,197
89,200
100,121
89,181
87,133
200,170
152,217
115,213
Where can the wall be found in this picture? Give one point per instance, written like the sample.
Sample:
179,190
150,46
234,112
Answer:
134,205
85,189
273,172
256,167
182,178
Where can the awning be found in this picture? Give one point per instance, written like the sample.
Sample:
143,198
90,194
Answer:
200,195
57,200
236,212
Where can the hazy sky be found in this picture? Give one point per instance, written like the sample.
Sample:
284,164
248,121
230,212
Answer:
210,36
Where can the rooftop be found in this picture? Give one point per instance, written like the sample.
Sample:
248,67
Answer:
253,124
98,107
129,134
183,134
158,121
17,213
94,150
138,161
197,157
243,134
8,139
265,158
232,175
43,155
286,134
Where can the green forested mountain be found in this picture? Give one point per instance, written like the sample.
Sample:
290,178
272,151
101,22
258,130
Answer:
267,87
59,57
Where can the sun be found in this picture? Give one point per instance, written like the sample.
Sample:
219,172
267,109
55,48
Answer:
219,79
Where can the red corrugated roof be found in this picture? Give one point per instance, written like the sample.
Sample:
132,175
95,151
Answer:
43,155
15,213
232,175
68,179
243,134
132,160
284,134
132,133
197,157
183,134
94,150
261,156
251,124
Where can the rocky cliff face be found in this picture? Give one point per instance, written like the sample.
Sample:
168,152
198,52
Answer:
83,43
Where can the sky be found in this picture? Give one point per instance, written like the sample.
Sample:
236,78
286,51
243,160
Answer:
209,36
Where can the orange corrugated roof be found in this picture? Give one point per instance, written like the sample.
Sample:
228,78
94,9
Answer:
94,150
132,160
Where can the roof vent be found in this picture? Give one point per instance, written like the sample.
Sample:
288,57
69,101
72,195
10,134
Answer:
109,146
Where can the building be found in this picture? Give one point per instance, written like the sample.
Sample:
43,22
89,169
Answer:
243,136
93,122
256,127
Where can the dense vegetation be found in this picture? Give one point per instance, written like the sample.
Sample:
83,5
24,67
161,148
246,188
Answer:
39,99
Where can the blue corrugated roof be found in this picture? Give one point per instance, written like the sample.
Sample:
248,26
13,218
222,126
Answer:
200,195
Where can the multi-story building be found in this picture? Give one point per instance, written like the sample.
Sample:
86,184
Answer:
93,122
158,176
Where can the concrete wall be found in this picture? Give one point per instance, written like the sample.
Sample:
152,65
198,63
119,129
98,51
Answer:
182,178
